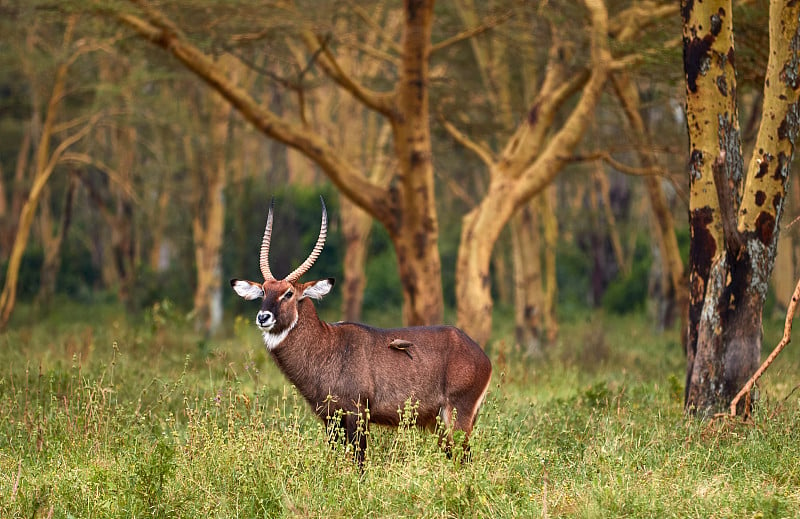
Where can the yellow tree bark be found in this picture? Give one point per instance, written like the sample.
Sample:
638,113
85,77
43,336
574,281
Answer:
406,209
208,221
45,163
526,166
734,212
365,144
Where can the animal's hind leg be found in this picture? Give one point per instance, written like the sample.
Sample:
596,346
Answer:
463,419
464,423
467,405
452,422
444,429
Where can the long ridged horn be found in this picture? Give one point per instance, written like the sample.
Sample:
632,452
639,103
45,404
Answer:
264,262
323,232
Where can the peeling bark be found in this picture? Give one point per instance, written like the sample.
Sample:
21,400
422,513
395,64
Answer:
734,213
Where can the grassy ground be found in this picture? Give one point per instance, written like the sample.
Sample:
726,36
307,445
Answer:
111,417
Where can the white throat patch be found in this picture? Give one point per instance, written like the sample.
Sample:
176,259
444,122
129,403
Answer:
272,340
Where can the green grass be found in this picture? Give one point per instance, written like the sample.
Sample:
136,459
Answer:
106,416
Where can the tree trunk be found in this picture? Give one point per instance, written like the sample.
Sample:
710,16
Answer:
416,234
528,292
18,193
208,220
407,209
356,231
46,160
52,246
734,214
123,238
526,167
675,294
4,214
603,186
157,230
550,222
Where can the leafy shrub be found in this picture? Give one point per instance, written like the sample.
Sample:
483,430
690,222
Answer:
29,273
629,294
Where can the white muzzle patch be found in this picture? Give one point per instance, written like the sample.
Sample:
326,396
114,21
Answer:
272,340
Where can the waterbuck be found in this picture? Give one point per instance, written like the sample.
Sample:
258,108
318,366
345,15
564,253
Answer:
343,368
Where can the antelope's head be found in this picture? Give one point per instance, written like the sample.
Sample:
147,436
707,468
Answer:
278,314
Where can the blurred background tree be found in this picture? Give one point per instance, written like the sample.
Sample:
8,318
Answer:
519,160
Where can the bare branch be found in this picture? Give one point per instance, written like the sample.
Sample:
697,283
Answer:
343,174
629,22
375,26
458,190
294,86
483,153
635,58
466,34
158,19
787,337
69,141
72,123
375,53
652,171
111,173
381,102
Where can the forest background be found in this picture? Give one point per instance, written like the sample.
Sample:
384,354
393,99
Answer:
140,183
528,176
522,199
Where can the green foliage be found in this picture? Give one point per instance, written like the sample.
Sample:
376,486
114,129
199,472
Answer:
629,294
174,284
103,417
573,270
383,288
29,273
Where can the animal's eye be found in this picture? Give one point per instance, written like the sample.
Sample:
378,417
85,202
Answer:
288,295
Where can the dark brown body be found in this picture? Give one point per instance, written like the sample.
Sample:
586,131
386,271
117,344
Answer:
352,367
354,364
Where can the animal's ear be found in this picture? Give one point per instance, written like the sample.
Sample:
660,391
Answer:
317,289
247,289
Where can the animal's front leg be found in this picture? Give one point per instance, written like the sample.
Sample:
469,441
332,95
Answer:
356,428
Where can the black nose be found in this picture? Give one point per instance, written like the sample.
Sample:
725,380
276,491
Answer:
263,317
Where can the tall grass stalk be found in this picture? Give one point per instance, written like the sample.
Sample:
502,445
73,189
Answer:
123,419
